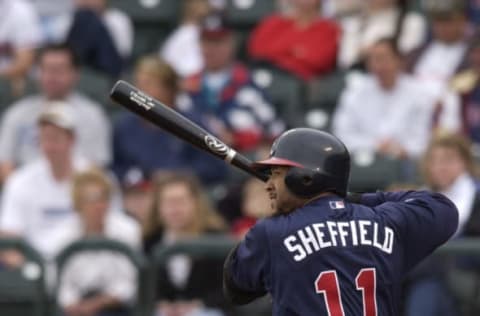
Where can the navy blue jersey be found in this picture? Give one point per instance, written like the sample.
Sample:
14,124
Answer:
336,258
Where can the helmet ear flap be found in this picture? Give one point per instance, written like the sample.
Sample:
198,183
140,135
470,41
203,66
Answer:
302,181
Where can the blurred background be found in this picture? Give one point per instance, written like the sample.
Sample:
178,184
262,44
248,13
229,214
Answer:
102,213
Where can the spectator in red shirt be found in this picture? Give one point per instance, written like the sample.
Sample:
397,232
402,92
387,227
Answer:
302,42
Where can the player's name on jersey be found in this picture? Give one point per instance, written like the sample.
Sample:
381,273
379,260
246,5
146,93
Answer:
318,236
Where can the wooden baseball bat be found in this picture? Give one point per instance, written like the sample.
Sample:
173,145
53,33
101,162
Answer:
173,122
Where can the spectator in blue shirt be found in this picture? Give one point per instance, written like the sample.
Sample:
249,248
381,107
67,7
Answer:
139,143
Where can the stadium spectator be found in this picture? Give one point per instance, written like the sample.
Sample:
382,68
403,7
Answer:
54,18
137,188
467,84
474,12
380,19
394,116
100,36
20,35
255,204
237,110
138,143
437,61
97,282
36,198
57,78
182,212
286,40
448,167
119,24
182,48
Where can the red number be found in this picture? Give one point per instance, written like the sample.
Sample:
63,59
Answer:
366,282
327,284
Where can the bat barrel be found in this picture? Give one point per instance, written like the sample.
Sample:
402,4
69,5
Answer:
173,122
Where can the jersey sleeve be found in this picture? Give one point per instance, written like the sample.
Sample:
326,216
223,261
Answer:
423,220
247,267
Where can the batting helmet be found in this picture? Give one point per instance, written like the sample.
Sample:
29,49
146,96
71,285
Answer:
319,162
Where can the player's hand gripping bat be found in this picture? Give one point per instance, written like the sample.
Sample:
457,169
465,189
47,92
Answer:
173,122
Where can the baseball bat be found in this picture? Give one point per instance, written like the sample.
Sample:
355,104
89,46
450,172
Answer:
173,122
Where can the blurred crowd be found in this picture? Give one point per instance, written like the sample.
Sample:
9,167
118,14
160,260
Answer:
405,80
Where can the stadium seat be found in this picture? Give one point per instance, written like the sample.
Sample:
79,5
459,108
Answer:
462,282
6,96
322,98
149,11
22,290
246,13
212,248
153,20
95,85
285,92
144,302
371,172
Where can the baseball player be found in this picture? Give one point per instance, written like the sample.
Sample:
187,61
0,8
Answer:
324,254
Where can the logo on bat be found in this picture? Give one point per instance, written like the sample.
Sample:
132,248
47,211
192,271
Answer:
142,100
216,145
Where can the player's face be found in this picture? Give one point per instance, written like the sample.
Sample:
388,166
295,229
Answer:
444,167
281,199
176,207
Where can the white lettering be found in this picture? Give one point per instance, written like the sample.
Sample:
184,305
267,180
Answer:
343,233
333,233
364,232
294,248
320,235
309,239
388,243
353,227
375,236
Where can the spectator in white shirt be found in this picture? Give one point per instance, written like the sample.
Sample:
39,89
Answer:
441,58
385,111
57,78
97,282
379,19
182,48
20,35
36,198
54,18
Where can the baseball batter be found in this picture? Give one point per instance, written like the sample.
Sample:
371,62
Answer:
323,253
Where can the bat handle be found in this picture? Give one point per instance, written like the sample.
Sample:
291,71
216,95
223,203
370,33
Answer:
246,165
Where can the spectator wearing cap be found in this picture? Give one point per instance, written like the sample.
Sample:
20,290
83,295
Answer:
182,48
301,42
57,78
439,59
36,198
237,109
137,188
20,35
139,144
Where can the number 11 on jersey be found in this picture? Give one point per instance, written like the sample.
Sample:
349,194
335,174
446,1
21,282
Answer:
366,282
